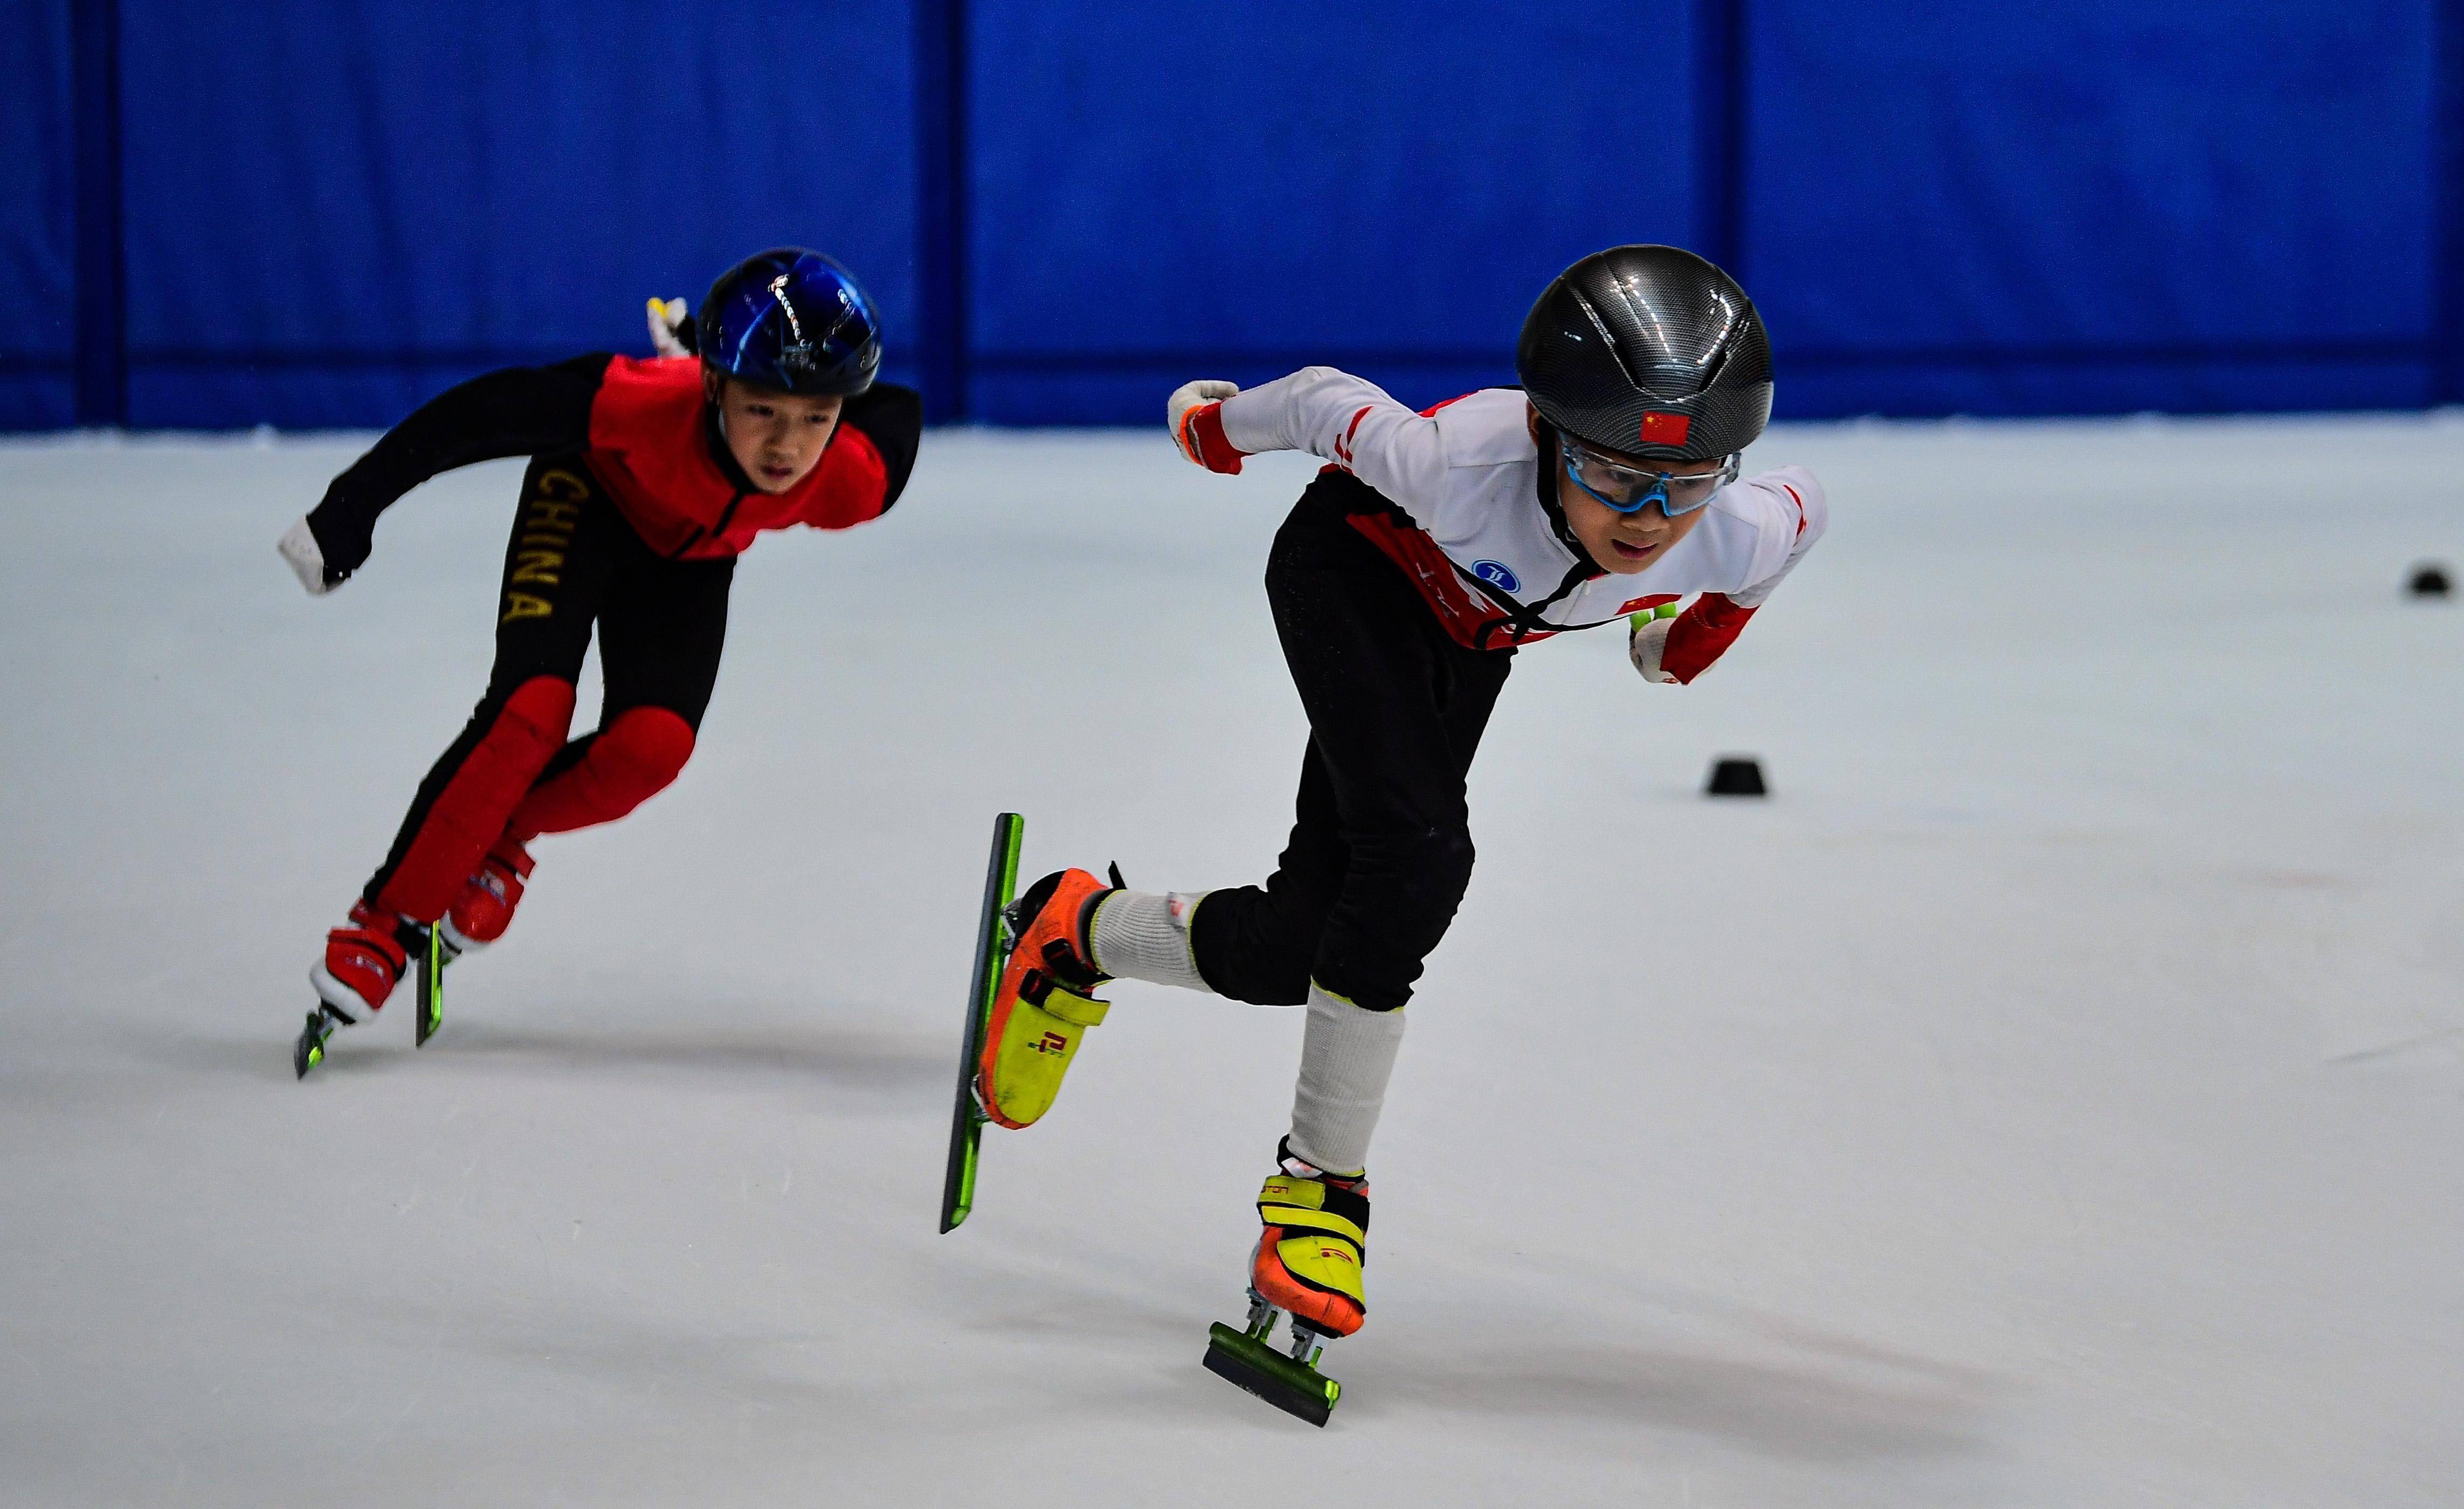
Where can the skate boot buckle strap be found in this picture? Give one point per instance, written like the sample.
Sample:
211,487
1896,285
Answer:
1309,1205
1042,991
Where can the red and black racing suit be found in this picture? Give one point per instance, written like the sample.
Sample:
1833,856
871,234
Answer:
631,517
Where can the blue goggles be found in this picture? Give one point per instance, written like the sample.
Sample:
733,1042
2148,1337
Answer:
1630,490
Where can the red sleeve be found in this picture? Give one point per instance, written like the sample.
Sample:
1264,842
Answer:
854,484
1702,634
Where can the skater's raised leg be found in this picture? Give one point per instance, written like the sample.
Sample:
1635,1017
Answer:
1140,935
1073,933
1046,1000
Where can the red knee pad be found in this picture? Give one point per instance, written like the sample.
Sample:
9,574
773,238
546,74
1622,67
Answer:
635,757
471,811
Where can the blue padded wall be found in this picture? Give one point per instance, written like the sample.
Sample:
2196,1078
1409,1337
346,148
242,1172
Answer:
37,229
1232,190
2204,205
325,213
348,207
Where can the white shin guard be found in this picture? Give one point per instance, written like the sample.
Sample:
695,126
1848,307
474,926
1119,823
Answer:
1347,1055
1142,936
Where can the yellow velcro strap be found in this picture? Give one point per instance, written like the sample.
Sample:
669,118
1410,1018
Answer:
1086,1010
1300,1205
1294,1218
1285,1190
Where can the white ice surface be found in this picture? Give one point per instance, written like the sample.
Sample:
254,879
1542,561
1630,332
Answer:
2053,1095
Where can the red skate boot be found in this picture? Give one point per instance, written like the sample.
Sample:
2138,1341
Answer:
364,961
480,915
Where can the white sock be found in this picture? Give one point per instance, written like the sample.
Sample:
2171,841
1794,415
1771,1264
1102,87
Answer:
1347,1055
1142,936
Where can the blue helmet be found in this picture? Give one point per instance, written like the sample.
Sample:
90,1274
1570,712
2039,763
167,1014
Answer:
790,319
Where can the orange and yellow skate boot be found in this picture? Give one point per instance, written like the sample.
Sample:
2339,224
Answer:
1046,1000
1309,1259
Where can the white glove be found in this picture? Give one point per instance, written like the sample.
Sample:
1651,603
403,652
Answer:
1197,395
298,546
1649,640
666,314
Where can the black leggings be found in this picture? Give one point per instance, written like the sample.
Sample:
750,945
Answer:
661,623
573,563
1380,851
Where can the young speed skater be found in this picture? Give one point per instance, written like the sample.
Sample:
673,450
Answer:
1431,548
649,477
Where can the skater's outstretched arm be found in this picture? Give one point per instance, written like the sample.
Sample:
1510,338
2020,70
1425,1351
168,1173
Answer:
1347,420
518,411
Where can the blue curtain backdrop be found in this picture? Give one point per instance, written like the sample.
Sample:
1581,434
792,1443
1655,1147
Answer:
308,215
1234,190
2201,205
333,211
38,227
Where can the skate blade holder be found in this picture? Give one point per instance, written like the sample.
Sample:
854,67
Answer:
1288,1379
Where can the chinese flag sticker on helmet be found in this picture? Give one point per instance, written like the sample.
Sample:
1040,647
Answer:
1665,430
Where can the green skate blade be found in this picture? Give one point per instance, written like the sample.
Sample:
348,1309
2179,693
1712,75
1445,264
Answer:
1292,1387
967,1119
430,1007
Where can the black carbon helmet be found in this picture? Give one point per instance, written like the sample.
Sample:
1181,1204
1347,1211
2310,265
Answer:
1648,350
